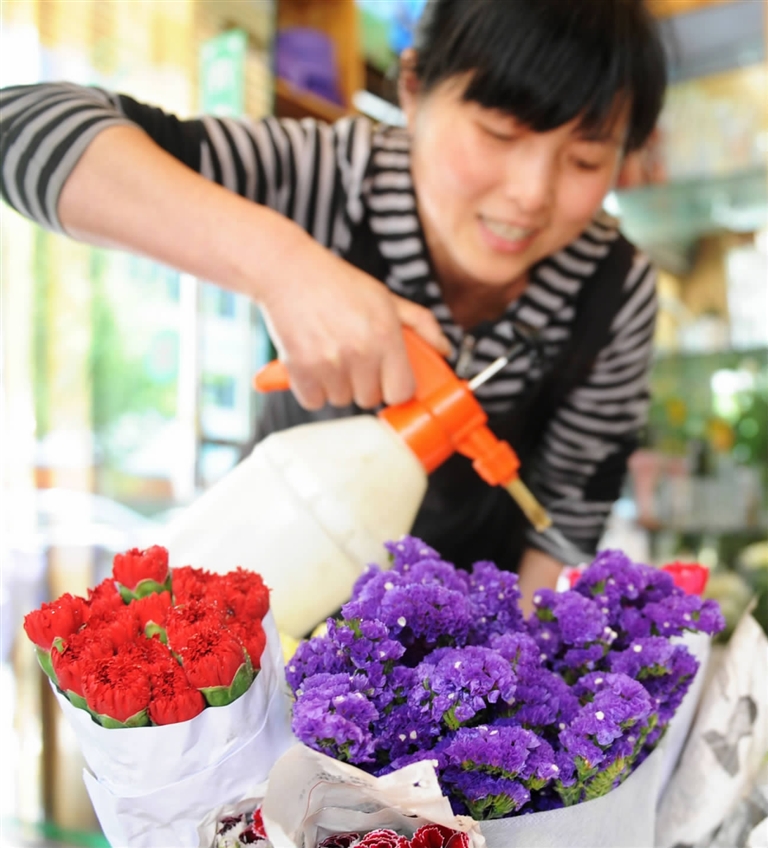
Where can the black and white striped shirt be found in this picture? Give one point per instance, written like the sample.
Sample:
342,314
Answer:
327,178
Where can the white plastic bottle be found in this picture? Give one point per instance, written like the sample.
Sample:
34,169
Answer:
308,510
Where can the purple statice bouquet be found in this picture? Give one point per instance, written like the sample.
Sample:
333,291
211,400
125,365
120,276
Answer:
428,662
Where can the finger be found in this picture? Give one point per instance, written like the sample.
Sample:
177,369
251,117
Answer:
423,322
337,386
397,381
307,390
366,384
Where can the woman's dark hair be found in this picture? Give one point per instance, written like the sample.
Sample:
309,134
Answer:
547,62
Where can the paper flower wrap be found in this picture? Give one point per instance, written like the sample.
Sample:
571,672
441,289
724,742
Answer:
432,665
175,688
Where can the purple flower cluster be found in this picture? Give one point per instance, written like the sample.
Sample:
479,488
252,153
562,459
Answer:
460,684
430,662
606,735
640,601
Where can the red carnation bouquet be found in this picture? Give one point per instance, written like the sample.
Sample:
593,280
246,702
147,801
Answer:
152,646
249,829
171,677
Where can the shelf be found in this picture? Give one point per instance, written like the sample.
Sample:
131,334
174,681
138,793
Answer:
339,21
292,102
678,213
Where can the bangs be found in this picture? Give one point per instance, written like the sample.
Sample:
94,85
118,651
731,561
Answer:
548,62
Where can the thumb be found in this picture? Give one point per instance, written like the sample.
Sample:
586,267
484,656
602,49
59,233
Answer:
423,322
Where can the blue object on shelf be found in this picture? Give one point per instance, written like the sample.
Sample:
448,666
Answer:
306,58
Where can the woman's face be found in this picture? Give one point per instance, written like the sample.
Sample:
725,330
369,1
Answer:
495,197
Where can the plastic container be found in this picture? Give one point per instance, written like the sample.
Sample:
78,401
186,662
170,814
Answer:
313,505
308,509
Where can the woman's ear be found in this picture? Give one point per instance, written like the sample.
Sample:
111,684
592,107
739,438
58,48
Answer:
408,86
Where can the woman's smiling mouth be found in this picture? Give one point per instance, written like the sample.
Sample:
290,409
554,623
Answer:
506,237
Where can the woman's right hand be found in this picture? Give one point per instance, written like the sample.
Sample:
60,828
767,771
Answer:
339,331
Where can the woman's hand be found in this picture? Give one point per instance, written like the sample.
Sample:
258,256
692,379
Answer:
339,331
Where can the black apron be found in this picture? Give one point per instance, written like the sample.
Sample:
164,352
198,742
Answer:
462,517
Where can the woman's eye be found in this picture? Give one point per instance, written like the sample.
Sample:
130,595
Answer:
497,133
584,165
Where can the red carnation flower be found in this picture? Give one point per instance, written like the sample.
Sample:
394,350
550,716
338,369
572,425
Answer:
340,840
247,594
81,649
117,691
254,832
140,573
216,663
437,836
154,656
190,584
185,620
212,657
152,609
690,577
257,824
56,620
173,700
383,838
252,637
119,625
104,597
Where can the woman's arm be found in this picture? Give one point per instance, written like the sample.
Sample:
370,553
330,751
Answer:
537,570
337,329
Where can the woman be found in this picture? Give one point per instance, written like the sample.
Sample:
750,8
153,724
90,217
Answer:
478,225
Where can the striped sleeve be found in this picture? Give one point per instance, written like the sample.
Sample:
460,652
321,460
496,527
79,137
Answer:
44,130
580,468
309,171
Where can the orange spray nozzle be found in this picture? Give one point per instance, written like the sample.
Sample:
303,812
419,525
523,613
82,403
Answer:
441,419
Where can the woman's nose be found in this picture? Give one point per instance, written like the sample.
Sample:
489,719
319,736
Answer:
531,185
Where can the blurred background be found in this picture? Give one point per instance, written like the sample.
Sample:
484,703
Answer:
126,385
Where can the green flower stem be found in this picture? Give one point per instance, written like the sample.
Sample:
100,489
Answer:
604,780
491,807
570,795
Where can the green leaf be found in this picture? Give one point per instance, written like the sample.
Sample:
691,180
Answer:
140,719
144,588
44,658
76,700
151,630
221,696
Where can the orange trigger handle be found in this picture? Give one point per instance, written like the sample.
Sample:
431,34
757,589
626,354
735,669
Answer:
441,419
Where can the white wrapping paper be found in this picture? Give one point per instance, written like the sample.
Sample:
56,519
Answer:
310,796
700,645
727,747
164,787
624,818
